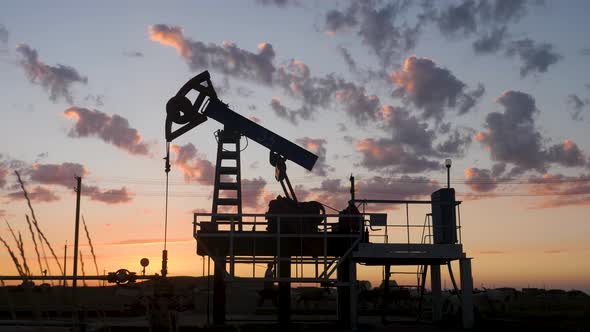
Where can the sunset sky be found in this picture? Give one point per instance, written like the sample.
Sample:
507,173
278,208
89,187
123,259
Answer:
384,90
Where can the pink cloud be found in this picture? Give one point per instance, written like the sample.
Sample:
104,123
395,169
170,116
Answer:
113,129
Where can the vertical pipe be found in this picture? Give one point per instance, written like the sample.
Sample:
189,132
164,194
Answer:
449,176
65,262
78,192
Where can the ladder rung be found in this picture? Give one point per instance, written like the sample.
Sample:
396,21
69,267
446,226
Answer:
228,185
229,155
227,217
228,170
227,201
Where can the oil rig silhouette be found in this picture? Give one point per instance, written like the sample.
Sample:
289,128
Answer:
299,242
300,234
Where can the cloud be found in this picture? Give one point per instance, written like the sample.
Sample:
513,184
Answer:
490,42
113,129
489,20
3,34
294,77
382,29
561,190
330,192
108,196
404,187
415,137
282,112
585,51
56,79
458,19
535,57
194,167
133,54
360,106
388,155
456,143
63,175
469,17
407,129
334,194
480,180
432,89
577,105
567,153
38,194
229,59
350,63
56,174
254,195
336,21
317,146
512,137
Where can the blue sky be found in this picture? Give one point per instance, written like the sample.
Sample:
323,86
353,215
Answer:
96,39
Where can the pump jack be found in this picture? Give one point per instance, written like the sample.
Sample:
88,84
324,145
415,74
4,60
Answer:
180,110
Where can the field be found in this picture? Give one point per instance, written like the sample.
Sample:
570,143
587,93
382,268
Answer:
182,304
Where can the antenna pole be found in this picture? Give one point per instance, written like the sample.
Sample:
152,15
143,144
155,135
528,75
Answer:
78,192
352,189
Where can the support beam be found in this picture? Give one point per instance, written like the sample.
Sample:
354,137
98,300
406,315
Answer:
467,293
344,296
353,310
435,285
219,292
284,291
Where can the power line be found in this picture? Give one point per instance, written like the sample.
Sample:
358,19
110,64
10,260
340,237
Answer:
153,181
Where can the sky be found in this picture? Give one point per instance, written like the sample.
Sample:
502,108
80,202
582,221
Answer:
383,90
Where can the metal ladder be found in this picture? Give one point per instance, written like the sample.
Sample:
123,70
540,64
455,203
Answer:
232,138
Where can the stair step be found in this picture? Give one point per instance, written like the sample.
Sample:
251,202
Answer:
229,155
227,201
228,170
228,185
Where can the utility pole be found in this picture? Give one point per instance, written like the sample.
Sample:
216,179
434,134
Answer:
78,192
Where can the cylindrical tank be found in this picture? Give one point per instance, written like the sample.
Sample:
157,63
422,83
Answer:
444,223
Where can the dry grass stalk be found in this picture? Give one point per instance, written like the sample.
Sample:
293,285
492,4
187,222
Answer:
19,268
19,244
82,268
21,249
36,223
91,246
35,244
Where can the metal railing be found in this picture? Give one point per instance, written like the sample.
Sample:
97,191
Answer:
254,227
427,227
